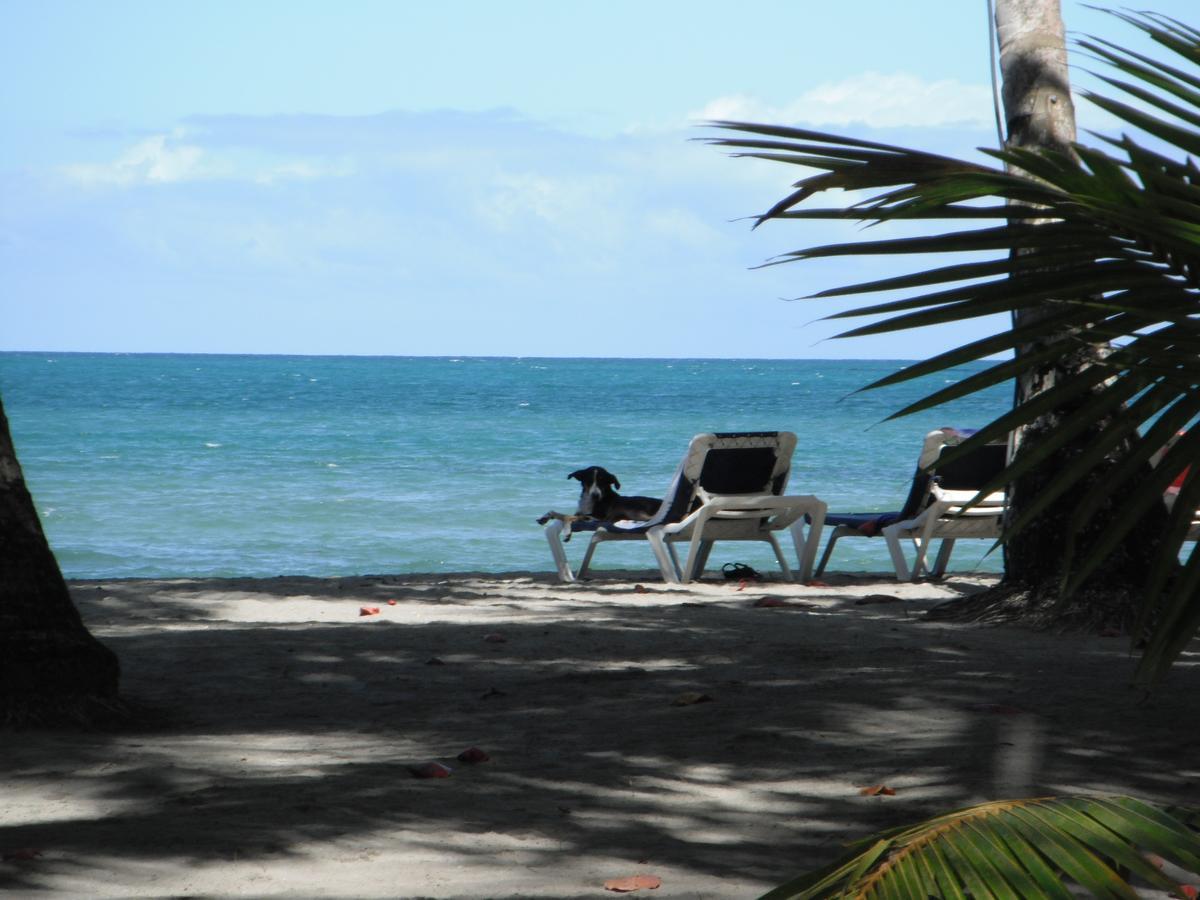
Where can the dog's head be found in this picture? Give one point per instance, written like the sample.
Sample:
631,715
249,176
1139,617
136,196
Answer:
597,482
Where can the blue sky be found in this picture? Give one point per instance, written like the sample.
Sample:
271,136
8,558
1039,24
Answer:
453,178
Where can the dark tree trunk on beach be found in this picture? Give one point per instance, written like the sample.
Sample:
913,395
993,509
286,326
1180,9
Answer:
1040,115
52,671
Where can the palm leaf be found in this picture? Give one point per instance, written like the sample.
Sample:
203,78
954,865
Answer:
1039,848
1109,251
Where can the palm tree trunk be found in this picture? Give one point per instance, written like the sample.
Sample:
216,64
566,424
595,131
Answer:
52,670
1040,115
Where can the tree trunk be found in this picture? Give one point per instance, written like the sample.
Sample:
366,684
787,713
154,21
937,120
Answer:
52,671
1041,116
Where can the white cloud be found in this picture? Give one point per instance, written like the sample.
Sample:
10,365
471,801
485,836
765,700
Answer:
873,99
159,159
174,158
517,198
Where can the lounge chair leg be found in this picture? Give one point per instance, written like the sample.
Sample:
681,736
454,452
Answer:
806,548
674,555
666,563
697,568
587,557
787,570
833,539
922,545
554,537
897,553
943,557
695,558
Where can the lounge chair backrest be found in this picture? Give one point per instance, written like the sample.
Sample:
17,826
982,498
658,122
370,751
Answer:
745,462
931,450
972,471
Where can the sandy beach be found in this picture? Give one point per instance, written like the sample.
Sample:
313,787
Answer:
716,738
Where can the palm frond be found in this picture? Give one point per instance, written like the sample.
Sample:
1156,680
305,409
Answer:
1035,848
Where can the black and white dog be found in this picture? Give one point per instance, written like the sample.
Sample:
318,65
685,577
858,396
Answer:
598,499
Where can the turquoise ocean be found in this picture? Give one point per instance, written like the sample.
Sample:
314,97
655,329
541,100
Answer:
201,465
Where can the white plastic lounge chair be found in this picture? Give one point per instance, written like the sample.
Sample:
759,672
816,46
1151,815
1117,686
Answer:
920,498
945,515
729,487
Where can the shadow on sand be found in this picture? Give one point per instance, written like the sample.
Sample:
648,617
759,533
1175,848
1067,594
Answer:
627,732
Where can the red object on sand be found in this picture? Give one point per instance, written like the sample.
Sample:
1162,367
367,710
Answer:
368,610
473,755
878,790
391,603
633,883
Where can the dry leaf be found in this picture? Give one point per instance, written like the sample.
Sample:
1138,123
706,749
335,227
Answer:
368,610
815,583
633,883
495,638
473,755
430,770
391,603
877,790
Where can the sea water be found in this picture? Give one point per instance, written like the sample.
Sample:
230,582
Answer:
182,465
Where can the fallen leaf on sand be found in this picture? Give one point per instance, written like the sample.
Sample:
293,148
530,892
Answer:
434,661
21,854
877,790
473,755
690,699
633,883
815,583
368,610
640,589
876,598
495,638
430,770
391,603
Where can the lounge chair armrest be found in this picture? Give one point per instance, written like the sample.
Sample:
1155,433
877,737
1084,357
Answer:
786,509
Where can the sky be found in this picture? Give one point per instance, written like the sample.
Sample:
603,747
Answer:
457,178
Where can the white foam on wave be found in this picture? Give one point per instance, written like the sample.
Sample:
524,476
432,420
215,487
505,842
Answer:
212,444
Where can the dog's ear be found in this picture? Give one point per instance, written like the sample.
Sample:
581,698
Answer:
611,479
578,475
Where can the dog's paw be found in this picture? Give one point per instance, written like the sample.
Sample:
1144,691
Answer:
542,520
